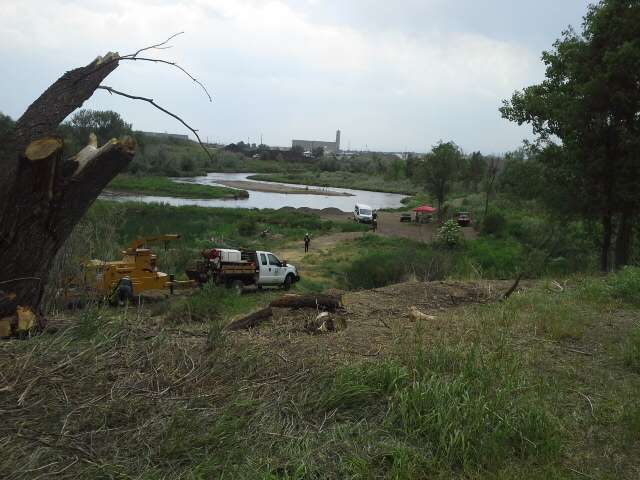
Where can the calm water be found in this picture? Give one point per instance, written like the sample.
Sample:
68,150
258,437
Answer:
272,200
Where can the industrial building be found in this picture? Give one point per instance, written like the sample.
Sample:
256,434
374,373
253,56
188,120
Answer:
310,145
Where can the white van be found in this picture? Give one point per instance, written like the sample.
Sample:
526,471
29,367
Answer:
363,213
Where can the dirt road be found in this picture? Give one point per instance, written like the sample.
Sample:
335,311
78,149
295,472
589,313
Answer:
389,225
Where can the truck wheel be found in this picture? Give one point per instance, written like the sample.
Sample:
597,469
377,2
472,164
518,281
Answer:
237,286
287,282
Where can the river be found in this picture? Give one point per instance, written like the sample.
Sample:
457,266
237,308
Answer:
376,200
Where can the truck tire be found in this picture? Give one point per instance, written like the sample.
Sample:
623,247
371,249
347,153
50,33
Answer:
288,280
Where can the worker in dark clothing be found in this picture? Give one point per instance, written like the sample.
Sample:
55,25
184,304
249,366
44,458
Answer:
374,221
307,241
124,290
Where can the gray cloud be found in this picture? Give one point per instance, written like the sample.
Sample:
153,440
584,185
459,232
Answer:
392,75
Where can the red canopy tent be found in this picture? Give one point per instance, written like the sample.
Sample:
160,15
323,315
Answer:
425,209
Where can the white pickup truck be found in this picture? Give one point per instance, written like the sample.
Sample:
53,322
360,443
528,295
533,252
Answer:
238,268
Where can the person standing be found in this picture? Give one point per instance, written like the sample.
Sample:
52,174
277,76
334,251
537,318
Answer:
307,241
374,221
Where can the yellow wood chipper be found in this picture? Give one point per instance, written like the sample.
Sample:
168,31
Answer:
137,271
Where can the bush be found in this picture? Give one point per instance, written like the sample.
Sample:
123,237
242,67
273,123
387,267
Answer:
450,234
494,223
625,285
496,258
247,228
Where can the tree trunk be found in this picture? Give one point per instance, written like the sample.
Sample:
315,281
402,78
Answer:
606,242
43,195
252,320
624,239
321,301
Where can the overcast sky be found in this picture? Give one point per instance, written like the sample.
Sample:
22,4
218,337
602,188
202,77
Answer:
392,75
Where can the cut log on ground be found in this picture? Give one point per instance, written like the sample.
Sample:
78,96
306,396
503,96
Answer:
320,301
252,320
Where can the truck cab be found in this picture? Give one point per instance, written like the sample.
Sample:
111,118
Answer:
273,271
363,213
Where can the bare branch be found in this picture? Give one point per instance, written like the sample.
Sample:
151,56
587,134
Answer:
150,100
174,64
159,46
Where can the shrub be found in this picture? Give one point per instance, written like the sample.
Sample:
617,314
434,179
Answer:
450,234
631,350
625,285
247,228
494,223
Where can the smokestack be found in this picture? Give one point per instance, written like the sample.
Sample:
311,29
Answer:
337,140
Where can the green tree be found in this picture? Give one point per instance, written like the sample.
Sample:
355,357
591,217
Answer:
476,167
585,114
522,176
6,124
106,124
317,152
441,168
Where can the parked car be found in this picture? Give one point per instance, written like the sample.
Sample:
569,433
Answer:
405,217
464,219
363,213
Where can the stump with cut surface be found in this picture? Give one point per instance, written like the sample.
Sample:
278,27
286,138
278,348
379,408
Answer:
42,194
320,301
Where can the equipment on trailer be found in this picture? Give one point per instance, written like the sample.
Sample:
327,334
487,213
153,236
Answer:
137,272
237,268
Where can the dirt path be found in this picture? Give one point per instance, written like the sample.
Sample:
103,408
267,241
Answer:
389,225
276,188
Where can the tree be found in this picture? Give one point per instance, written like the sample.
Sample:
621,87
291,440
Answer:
6,124
317,152
489,181
43,194
585,114
522,176
104,124
441,167
476,167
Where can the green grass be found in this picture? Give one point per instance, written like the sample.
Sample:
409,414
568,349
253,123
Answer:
341,179
482,392
163,186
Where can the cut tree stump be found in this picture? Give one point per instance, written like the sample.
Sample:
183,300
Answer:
251,321
43,195
321,301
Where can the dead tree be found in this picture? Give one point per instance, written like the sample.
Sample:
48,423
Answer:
42,194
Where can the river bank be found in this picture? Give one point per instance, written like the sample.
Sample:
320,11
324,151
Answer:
361,181
279,188
152,185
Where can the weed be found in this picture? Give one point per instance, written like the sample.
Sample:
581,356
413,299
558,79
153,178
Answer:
631,350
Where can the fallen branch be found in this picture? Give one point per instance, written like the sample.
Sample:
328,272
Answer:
319,301
251,321
513,288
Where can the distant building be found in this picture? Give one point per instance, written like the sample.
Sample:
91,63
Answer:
177,136
309,145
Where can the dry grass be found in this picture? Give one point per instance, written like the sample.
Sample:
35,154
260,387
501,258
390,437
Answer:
115,395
